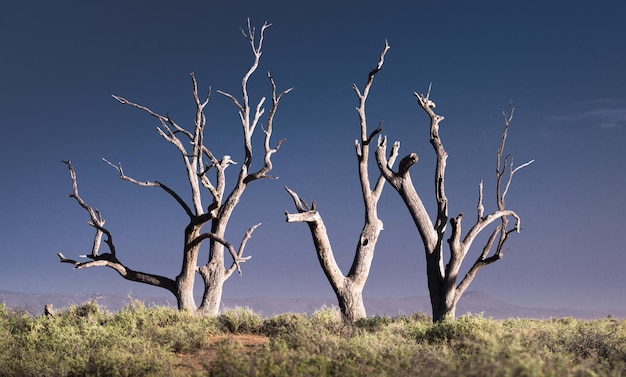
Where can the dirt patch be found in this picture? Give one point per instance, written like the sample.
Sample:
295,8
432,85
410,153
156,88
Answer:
246,340
202,359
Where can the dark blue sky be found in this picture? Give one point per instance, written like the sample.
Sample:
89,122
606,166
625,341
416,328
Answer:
562,65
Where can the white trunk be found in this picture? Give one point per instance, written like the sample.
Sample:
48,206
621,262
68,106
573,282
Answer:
351,305
213,285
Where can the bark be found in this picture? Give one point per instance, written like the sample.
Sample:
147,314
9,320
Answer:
215,216
186,278
349,288
443,288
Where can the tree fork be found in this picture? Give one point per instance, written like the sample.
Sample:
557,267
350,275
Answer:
442,280
349,288
217,214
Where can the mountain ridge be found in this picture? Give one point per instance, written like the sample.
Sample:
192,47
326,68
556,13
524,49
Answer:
472,302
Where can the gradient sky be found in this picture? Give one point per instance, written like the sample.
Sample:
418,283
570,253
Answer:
561,63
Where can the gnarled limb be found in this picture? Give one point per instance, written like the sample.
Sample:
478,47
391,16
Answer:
96,219
171,192
320,238
108,259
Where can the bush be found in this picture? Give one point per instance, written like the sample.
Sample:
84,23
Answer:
240,320
140,341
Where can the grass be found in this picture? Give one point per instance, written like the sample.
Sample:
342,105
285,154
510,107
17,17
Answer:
86,340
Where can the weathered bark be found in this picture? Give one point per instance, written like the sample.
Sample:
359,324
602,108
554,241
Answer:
349,288
193,150
442,279
186,278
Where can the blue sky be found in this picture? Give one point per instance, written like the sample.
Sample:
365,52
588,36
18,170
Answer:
561,63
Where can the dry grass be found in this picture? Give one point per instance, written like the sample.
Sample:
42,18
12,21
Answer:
140,341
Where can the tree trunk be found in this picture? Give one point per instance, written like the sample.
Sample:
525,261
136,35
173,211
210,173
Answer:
184,295
213,284
213,272
441,289
443,307
442,299
186,279
213,275
350,299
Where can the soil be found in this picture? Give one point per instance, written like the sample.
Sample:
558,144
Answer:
203,358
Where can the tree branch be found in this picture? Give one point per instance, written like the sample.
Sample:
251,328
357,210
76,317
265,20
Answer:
480,209
380,183
240,257
105,260
108,259
500,233
385,165
269,151
171,192
244,109
363,97
486,221
96,219
320,239
190,160
236,255
501,165
164,120
440,169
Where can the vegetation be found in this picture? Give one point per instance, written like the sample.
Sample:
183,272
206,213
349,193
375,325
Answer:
155,341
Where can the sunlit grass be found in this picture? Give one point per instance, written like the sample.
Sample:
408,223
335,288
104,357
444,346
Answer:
155,341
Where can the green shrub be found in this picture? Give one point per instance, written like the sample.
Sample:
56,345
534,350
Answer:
141,341
285,325
240,320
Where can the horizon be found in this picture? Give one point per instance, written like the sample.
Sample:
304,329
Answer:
475,303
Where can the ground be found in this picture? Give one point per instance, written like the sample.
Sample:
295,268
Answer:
203,358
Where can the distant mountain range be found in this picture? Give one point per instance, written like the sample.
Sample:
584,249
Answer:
472,302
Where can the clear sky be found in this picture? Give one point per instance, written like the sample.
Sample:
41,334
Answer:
560,62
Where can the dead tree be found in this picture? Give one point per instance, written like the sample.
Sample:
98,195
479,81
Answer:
349,288
442,278
205,173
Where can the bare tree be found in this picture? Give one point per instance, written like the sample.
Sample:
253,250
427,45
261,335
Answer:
199,164
442,279
349,288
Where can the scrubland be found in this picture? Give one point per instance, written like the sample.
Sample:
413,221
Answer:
86,340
